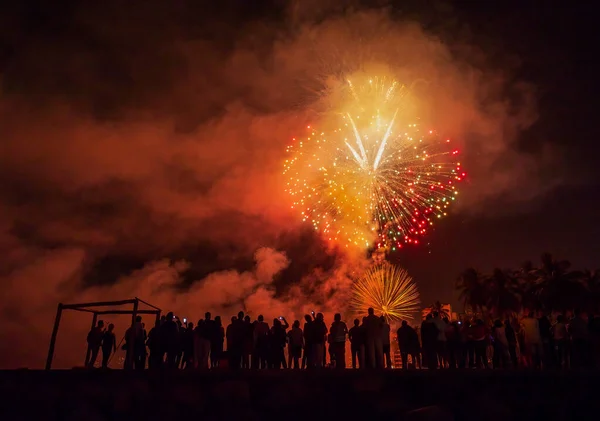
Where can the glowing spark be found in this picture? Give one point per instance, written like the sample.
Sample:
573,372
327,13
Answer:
383,142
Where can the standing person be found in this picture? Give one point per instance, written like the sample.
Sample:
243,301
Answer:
465,360
181,331
579,331
94,341
561,338
217,338
210,334
429,336
452,343
188,347
374,346
480,334
385,342
356,335
408,342
319,332
261,343
440,340
170,335
307,358
109,345
231,338
501,354
201,346
511,338
248,342
277,340
339,330
296,343
155,346
143,349
547,353
134,337
285,327
532,340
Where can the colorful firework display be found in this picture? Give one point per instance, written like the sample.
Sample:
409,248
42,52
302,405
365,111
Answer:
374,178
387,289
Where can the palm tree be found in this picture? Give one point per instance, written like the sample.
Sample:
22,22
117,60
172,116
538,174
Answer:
527,284
504,294
439,308
473,290
558,288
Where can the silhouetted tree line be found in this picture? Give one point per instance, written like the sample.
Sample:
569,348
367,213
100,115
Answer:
553,286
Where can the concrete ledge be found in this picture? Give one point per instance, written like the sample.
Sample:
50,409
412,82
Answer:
289,395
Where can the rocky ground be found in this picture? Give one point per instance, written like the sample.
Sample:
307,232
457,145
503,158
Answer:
286,395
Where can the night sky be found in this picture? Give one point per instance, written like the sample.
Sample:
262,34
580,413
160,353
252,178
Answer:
131,135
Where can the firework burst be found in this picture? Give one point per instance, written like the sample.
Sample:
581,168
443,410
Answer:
387,289
376,177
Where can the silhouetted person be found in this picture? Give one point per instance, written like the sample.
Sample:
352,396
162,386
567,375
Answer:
277,340
136,343
217,338
561,341
109,344
234,334
331,352
209,333
143,345
188,347
501,354
374,346
94,341
181,332
238,350
594,340
547,342
248,342
385,342
308,357
261,343
579,331
479,333
408,342
319,333
170,335
338,331
296,343
201,345
532,340
429,335
511,338
155,346
356,334
452,343
440,341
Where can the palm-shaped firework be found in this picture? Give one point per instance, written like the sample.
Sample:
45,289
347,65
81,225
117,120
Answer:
388,289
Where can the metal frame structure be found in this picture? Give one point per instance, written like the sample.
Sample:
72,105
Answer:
88,308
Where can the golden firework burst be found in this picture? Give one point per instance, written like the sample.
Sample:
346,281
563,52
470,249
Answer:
388,289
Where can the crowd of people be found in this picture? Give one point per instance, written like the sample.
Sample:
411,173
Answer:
537,342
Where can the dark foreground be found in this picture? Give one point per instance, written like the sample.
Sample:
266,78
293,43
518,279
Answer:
307,396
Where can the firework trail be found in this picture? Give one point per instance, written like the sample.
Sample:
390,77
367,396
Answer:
387,289
375,177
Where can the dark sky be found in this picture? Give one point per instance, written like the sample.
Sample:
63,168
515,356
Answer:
130,134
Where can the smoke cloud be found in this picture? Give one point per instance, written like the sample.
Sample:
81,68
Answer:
143,157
